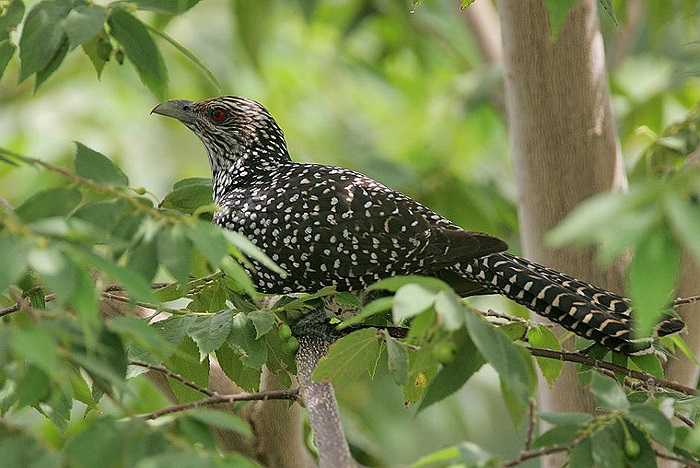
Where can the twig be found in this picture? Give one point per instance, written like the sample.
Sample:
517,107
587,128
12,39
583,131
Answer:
173,376
541,452
531,422
598,364
286,394
686,420
672,457
685,301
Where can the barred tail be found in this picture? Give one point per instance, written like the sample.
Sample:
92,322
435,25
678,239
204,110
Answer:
585,309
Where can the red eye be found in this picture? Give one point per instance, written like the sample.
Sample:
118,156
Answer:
218,115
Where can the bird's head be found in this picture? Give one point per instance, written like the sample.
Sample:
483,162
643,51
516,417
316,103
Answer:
231,128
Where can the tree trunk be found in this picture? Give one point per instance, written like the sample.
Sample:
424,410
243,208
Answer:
563,143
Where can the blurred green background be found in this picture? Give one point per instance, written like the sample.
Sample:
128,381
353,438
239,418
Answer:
393,90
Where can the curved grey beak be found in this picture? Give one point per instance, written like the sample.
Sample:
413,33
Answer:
179,109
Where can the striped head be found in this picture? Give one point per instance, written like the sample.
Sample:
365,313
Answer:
231,128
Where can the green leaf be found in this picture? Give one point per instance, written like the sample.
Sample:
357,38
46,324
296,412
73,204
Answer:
140,333
649,363
96,166
143,259
99,51
350,358
397,282
44,74
175,253
237,273
263,321
608,446
375,307
14,254
57,271
581,455
140,49
253,252
450,310
83,23
558,11
542,337
38,347
566,418
252,25
513,366
469,454
7,50
397,359
168,7
242,339
245,377
42,35
12,16
33,387
653,274
48,203
137,288
222,420
455,374
559,435
209,240
608,393
653,422
685,220
410,300
188,198
186,363
210,331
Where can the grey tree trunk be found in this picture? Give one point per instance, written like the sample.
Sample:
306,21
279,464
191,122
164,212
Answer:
563,142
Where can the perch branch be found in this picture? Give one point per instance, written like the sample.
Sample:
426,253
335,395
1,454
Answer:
173,376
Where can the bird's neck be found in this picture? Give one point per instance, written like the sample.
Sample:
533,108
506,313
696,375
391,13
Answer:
244,166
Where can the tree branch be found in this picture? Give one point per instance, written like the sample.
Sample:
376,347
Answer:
598,364
672,457
287,394
173,376
541,452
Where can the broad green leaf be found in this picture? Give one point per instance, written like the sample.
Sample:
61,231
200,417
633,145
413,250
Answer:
558,11
209,240
188,198
450,310
608,393
653,422
653,274
253,352
171,7
85,301
96,166
252,22
647,455
104,215
210,331
251,251
42,36
649,363
7,50
350,358
608,447
377,306
566,418
99,51
542,337
175,253
55,62
139,47
397,282
397,359
83,23
143,259
186,363
685,220
137,331
221,419
465,454
38,347
245,377
48,203
13,251
58,272
514,368
558,435
33,387
455,374
174,329
410,300
581,455
12,16
240,277
263,321
21,450
137,288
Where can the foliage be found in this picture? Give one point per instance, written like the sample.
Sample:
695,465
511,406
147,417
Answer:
107,280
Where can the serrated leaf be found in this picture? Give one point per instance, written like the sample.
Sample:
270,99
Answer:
188,198
350,358
607,451
38,347
608,393
42,35
410,300
99,51
653,422
377,306
649,363
83,23
263,321
210,331
186,363
175,253
242,339
542,337
143,335
651,292
245,377
49,203
455,374
237,273
97,167
143,259
209,240
140,49
397,359
222,420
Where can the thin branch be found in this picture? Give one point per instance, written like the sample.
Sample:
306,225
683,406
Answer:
173,376
686,420
531,422
286,394
672,457
685,301
598,364
541,452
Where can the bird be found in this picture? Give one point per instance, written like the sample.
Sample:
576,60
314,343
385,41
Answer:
330,226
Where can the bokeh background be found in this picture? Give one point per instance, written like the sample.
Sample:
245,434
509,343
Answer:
393,89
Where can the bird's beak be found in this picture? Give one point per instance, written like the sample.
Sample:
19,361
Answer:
179,109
